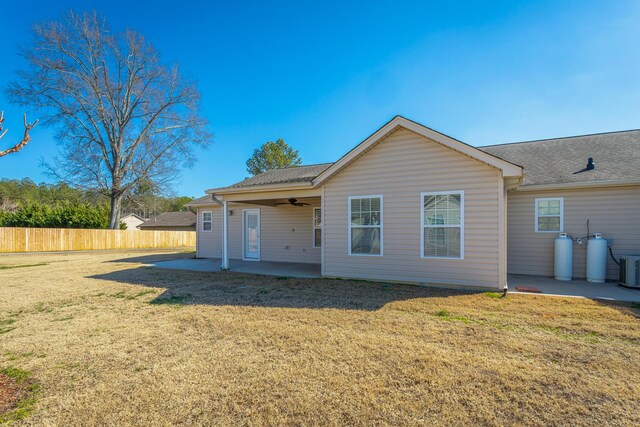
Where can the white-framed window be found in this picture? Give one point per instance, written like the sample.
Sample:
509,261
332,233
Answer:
442,224
366,225
207,221
317,227
549,215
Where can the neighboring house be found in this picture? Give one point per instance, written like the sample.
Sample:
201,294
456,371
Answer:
132,221
171,221
410,204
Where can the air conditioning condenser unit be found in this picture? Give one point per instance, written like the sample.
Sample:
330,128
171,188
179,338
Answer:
630,271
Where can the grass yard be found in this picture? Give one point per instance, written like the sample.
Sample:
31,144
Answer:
104,340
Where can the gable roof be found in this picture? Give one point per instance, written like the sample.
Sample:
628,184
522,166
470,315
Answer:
541,162
202,201
132,215
508,169
171,219
616,156
314,175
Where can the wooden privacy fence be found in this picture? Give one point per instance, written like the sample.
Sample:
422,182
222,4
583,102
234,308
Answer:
18,239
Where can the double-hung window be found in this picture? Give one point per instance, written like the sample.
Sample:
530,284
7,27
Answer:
442,225
549,215
207,221
365,225
317,227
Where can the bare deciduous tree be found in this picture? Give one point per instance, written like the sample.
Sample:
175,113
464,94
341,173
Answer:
25,138
122,116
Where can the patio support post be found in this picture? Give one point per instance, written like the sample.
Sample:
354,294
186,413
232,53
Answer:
502,234
225,236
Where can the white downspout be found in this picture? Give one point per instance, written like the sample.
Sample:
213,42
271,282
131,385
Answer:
198,227
225,236
503,189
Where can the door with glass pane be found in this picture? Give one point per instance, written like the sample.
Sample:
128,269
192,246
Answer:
251,244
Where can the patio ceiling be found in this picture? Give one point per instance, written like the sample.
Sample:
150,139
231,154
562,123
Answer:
284,194
282,202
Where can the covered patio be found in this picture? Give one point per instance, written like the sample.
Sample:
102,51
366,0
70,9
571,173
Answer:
271,224
267,268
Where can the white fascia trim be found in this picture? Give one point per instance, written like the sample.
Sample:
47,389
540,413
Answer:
260,188
133,215
508,169
577,185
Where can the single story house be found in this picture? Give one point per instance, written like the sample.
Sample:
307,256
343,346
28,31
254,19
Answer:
410,204
171,221
132,221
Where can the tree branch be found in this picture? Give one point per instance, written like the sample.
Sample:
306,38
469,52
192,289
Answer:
25,139
123,118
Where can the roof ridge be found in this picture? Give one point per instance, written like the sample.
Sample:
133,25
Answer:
560,137
288,167
301,166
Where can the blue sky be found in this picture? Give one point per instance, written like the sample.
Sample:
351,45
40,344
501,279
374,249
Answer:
324,75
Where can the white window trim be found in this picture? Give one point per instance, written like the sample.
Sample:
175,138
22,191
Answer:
535,206
314,228
461,226
381,226
202,221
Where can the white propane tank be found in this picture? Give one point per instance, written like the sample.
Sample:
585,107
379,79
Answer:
563,262
597,259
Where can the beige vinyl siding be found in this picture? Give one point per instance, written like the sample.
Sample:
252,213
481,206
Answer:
400,168
613,211
209,243
132,222
286,233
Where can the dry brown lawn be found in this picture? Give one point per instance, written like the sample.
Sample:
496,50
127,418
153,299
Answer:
113,342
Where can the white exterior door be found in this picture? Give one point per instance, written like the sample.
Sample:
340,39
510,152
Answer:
251,233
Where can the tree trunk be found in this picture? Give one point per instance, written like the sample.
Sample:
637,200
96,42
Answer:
114,215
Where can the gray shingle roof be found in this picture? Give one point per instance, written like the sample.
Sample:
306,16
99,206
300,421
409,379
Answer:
290,175
201,201
553,161
548,161
171,219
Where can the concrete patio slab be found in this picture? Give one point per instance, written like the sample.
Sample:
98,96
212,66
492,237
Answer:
574,288
267,268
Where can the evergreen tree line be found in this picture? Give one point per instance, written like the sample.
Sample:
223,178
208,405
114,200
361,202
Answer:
23,203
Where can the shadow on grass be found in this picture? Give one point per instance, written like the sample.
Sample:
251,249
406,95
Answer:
241,289
157,257
625,307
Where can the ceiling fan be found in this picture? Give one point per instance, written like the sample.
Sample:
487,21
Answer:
293,202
